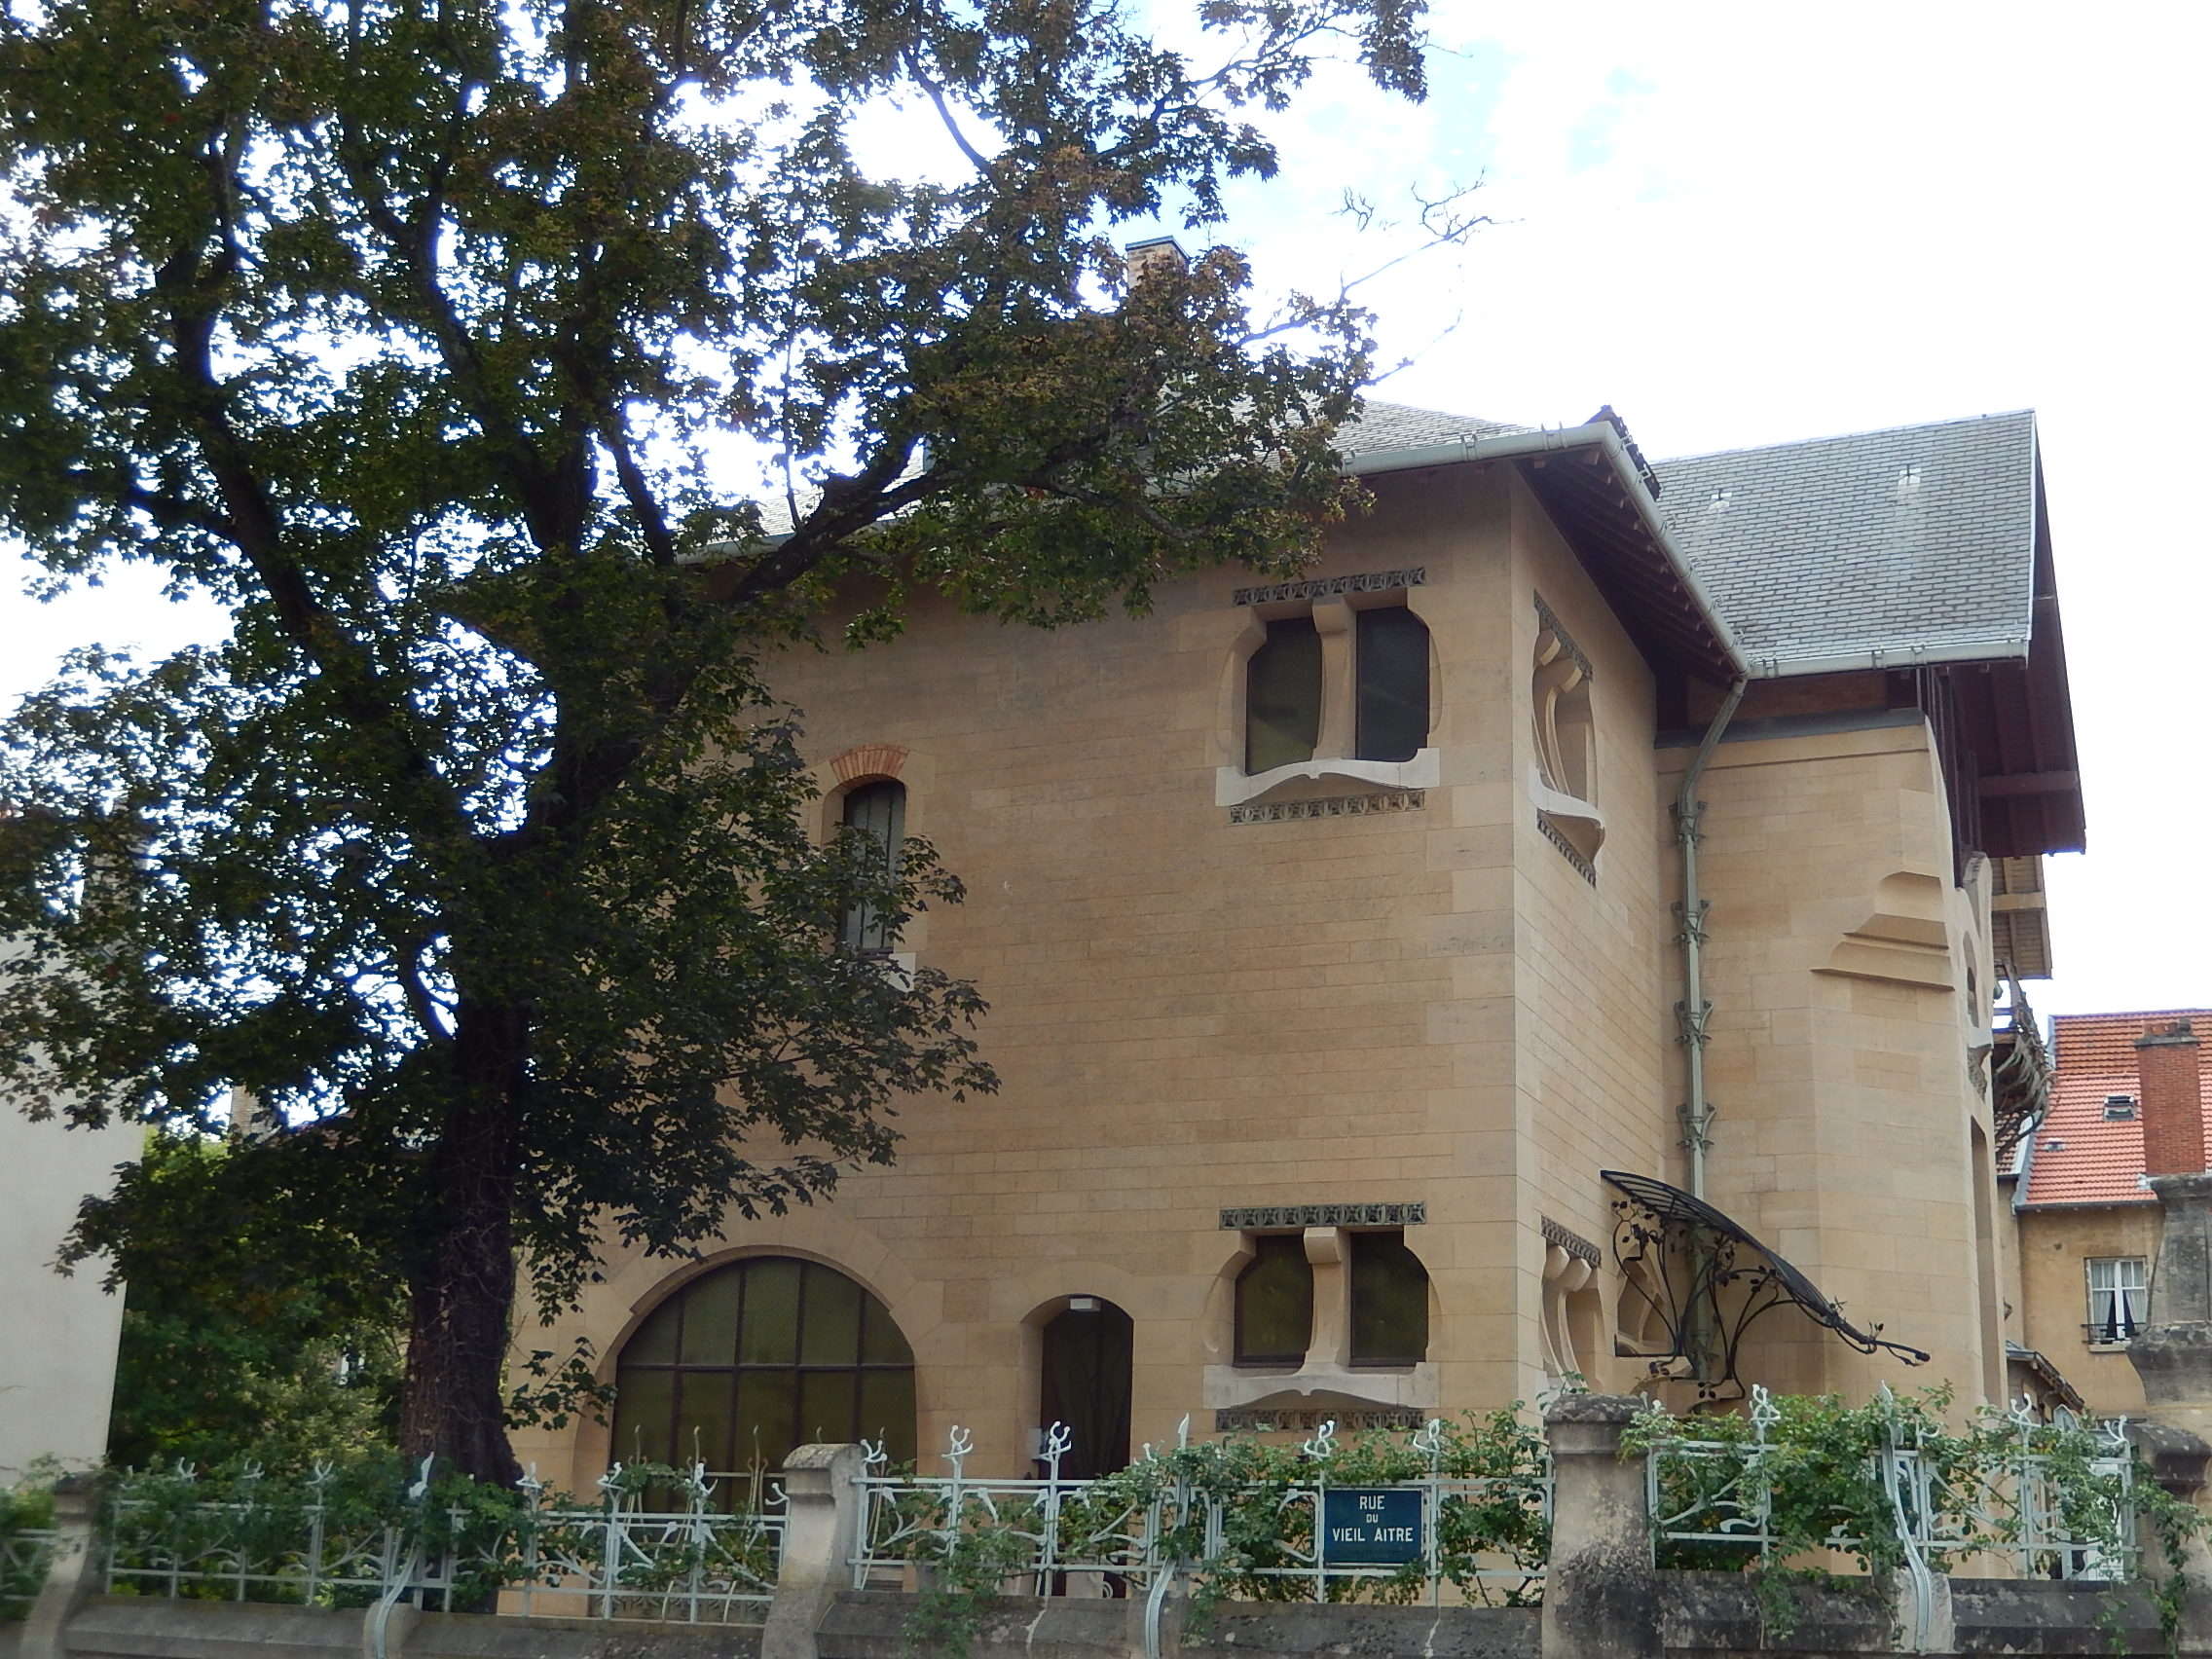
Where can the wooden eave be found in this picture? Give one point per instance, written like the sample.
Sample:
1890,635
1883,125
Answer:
1632,566
2016,717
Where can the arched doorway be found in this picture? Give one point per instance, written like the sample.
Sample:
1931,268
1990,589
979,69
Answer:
1088,1351
744,1363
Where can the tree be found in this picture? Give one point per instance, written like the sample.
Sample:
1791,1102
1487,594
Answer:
421,333
245,1334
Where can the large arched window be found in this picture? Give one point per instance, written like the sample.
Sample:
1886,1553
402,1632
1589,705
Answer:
744,1364
880,809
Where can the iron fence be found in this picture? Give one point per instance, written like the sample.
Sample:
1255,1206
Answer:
1262,1539
25,1555
617,1559
2020,1505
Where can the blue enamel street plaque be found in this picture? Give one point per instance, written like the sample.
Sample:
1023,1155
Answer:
1363,1527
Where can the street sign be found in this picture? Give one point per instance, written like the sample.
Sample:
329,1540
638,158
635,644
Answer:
1369,1525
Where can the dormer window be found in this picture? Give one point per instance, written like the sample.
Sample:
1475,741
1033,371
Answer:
2119,1108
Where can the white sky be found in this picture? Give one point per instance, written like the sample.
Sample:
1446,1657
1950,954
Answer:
1746,222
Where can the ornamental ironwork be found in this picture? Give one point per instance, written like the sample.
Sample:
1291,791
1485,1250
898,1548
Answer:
1259,1218
1250,1420
1329,587
1569,1240
1705,1280
2020,1073
1333,806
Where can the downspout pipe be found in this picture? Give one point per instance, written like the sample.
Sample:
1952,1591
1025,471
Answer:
1693,1010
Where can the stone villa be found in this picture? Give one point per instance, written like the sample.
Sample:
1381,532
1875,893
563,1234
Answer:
1358,1062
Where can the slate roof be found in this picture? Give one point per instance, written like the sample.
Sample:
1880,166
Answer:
1385,427
2076,1155
1914,540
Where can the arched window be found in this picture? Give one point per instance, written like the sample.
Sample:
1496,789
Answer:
744,1364
1390,1301
1274,1302
880,809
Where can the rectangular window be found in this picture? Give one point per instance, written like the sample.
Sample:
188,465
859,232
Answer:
1390,1301
1283,696
880,809
2120,1297
1390,665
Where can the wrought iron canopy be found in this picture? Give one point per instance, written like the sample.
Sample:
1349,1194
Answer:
1706,1279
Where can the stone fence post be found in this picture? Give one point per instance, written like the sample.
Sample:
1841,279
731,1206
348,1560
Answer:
822,1515
1602,1592
71,1575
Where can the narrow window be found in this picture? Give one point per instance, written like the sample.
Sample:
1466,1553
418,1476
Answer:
1391,664
1390,1301
2118,1300
1274,1302
1283,696
880,809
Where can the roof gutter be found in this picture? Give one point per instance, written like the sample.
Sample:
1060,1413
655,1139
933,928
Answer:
1893,659
1525,446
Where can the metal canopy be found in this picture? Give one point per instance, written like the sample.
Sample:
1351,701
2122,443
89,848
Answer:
1680,1255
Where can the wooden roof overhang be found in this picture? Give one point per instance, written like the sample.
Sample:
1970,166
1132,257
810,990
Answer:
2017,719
1604,500
1620,544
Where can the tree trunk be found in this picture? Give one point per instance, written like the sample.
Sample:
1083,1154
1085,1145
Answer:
453,1404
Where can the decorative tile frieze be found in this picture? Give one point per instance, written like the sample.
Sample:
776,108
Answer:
1329,587
1332,806
1568,849
1263,1216
1249,1422
1549,621
1569,1240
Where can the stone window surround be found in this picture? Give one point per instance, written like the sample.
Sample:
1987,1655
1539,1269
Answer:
1328,1368
1567,811
1333,755
852,768
1571,1308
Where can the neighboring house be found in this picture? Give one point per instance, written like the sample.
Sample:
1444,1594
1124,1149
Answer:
2088,1221
57,1365
1329,928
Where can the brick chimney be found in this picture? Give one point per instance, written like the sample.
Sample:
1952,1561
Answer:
2173,1099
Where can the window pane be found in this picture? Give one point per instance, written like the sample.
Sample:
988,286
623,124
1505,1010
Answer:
702,1421
880,809
1275,1301
710,1319
771,1313
825,1402
643,1401
1283,696
755,1359
1390,1301
767,1408
831,1332
887,1412
1390,662
882,1343
655,1340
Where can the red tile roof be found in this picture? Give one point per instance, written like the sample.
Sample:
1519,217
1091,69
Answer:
2077,1158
